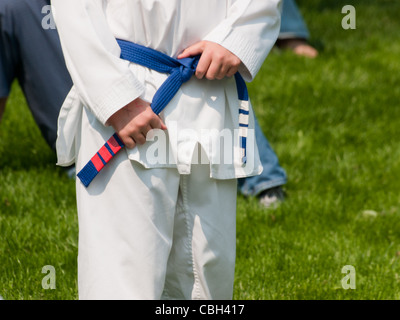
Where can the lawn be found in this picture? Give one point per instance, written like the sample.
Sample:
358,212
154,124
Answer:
334,122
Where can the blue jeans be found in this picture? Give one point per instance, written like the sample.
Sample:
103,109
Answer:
273,174
292,23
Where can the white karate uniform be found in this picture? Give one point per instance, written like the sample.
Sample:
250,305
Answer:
168,232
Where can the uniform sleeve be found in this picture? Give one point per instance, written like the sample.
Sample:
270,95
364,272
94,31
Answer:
249,31
103,81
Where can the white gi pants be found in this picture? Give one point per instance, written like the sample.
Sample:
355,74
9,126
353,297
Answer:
152,233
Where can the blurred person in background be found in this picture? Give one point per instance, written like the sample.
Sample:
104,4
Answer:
33,57
294,34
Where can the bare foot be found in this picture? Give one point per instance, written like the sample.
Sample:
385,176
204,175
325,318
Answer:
298,46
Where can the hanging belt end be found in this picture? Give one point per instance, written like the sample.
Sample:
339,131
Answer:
87,174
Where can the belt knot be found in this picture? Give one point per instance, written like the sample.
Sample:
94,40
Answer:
188,67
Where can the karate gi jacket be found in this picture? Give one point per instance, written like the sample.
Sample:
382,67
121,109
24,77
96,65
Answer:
104,83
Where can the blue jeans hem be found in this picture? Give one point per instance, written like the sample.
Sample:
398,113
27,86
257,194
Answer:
262,187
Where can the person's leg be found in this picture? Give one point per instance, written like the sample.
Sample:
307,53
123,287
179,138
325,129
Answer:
202,259
294,33
273,175
292,23
9,57
36,60
134,222
126,219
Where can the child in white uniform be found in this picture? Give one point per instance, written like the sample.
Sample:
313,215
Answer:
152,230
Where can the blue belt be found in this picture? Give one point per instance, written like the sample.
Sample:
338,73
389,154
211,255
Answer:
179,72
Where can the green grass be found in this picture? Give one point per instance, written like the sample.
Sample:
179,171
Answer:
333,121
38,223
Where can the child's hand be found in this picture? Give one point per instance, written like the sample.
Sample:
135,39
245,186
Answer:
215,62
134,121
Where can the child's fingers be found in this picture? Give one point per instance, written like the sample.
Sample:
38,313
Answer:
163,126
214,70
157,123
139,138
193,50
231,72
128,141
203,65
222,71
146,129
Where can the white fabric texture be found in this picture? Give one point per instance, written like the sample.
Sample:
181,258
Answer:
153,234
104,83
